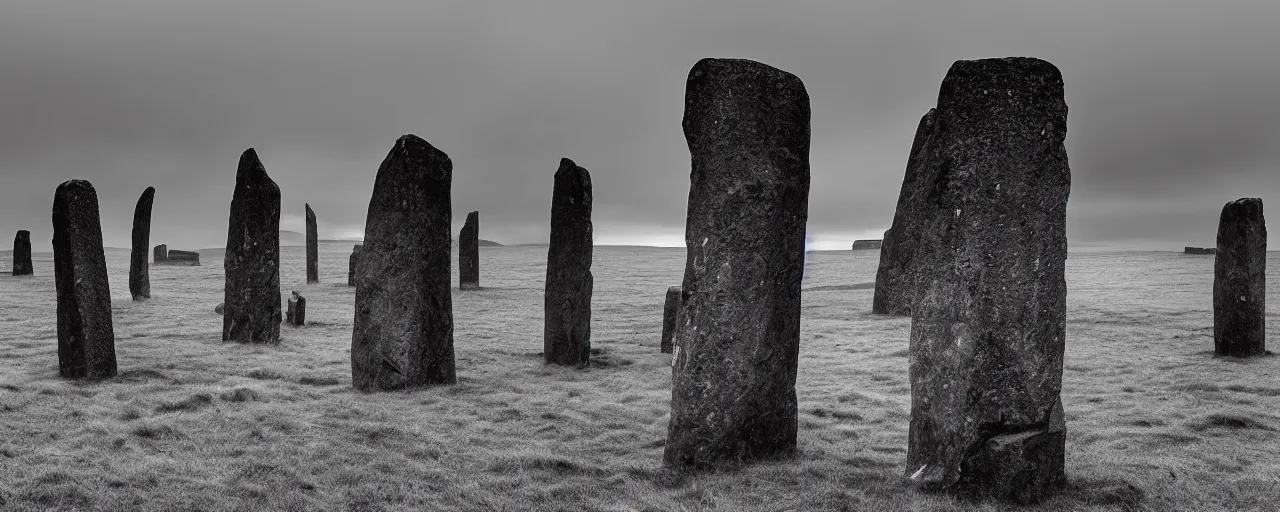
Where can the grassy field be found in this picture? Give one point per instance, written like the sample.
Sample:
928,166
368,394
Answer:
1155,422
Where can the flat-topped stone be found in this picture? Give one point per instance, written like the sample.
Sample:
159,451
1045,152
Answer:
86,336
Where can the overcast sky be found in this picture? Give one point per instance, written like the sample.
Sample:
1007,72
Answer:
1173,106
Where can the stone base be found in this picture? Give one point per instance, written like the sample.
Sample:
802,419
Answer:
469,286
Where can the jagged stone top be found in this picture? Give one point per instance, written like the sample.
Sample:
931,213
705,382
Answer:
251,172
413,153
745,102
997,84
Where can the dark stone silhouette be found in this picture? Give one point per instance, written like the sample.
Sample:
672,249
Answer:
313,249
252,262
181,258
566,334
351,270
670,310
296,314
160,253
897,273
403,333
469,253
864,245
86,338
22,254
1240,280
139,281
1200,250
989,317
736,346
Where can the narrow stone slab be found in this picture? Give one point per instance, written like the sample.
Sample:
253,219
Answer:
469,253
736,346
252,262
139,279
566,334
86,337
351,270
403,333
22,254
313,248
296,313
160,253
1240,280
896,275
670,310
989,315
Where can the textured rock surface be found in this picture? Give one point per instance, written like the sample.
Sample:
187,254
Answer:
566,333
351,265
989,319
469,253
896,275
403,333
736,346
22,254
86,338
313,248
139,280
252,261
160,253
670,310
1240,280
296,313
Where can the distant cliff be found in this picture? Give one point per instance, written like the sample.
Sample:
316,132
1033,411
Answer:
861,245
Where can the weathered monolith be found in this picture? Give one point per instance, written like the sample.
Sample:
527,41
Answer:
252,262
733,394
139,282
566,333
895,277
1240,280
988,323
670,310
313,248
351,270
160,253
86,338
22,254
296,314
469,253
403,333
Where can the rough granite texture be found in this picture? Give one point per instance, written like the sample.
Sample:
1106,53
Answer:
252,261
895,277
670,310
139,281
989,319
566,333
403,333
733,395
1240,280
469,253
313,248
86,338
22,253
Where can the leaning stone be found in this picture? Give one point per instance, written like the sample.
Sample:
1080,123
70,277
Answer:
737,343
139,281
897,272
313,250
351,271
403,333
252,262
989,314
670,310
22,254
160,254
297,311
566,334
469,253
1240,280
86,338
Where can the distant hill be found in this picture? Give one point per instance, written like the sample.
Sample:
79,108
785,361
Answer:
292,238
489,243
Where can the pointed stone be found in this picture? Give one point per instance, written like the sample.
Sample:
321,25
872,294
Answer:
566,334
737,343
252,262
22,254
139,280
86,338
988,323
895,278
160,254
1240,280
670,310
351,269
469,253
403,333
313,248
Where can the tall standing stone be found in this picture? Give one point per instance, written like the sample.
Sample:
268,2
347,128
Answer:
313,249
351,265
988,323
566,333
139,281
469,253
670,310
252,262
733,394
1240,280
86,339
403,333
161,253
895,278
22,253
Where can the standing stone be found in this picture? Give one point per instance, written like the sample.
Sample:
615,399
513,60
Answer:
22,254
403,333
988,323
313,250
895,278
161,253
139,282
469,253
86,339
733,394
252,262
296,314
351,270
1240,280
566,333
669,312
